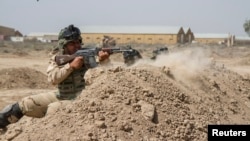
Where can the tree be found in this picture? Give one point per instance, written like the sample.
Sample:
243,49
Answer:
247,27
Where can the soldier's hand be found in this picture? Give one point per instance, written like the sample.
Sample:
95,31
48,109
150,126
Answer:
77,63
103,55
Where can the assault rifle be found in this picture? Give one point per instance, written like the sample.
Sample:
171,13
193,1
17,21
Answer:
88,55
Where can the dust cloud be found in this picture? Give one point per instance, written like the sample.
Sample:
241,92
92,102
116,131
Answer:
185,65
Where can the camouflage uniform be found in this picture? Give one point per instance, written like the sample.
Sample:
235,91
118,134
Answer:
68,89
107,42
70,84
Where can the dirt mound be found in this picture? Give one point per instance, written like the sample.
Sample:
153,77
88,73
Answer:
174,98
22,78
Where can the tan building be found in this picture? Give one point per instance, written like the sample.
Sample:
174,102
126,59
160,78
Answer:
134,34
208,38
50,37
242,40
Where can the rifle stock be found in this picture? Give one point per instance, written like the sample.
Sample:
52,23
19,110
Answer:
64,59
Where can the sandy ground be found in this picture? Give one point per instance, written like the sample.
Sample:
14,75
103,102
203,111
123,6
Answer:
173,98
14,72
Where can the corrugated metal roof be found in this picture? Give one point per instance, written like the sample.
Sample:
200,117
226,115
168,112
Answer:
210,35
131,29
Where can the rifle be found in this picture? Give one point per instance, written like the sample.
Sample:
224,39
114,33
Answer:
88,55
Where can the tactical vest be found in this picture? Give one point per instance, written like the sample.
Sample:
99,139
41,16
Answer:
72,85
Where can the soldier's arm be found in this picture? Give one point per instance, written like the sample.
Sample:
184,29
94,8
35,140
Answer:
57,74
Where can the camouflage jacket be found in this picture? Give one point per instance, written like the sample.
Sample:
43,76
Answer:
56,74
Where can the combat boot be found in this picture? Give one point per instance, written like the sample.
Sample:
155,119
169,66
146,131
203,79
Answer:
10,114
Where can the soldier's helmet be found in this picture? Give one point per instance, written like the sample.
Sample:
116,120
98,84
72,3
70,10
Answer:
68,34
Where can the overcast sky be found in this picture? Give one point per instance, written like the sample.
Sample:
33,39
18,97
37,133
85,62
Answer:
202,16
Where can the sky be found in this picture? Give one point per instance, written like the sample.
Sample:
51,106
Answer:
202,16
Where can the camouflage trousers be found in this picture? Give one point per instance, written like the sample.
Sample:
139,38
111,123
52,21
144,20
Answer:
41,104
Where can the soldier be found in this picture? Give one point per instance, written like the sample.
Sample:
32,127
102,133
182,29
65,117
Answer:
132,56
69,79
158,51
107,42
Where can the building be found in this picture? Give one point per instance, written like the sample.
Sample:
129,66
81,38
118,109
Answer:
51,37
242,40
43,37
16,39
189,35
134,34
210,38
6,33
